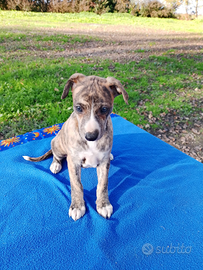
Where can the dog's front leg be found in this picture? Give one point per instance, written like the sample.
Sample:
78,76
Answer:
77,208
104,208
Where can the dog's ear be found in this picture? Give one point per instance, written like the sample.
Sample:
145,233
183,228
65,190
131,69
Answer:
117,88
75,78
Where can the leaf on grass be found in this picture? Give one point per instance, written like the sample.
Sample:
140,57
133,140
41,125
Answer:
195,131
150,115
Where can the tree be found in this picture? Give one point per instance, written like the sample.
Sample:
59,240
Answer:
174,4
186,3
3,4
196,8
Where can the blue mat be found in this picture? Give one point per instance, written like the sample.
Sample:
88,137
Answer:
156,192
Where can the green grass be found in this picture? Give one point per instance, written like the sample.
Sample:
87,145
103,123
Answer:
11,41
8,36
140,51
48,20
30,92
31,83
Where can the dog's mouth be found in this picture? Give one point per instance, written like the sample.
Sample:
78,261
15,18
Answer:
92,136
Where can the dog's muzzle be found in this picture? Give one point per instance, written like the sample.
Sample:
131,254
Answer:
92,136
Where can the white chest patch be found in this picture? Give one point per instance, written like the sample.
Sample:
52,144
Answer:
91,157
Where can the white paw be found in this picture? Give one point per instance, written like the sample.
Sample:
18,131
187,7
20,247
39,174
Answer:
111,157
105,211
55,167
77,213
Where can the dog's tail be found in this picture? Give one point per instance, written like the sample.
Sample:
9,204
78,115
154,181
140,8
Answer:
46,155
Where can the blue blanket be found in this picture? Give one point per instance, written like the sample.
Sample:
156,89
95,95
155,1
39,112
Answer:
156,192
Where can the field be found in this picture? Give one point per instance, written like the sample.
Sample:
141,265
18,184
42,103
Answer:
159,62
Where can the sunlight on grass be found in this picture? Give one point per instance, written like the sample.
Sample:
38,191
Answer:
31,90
48,20
32,78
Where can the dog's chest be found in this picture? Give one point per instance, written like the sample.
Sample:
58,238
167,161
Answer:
92,156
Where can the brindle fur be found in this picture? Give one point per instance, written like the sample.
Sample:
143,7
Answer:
91,93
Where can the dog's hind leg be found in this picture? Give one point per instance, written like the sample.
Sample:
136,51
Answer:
58,155
56,165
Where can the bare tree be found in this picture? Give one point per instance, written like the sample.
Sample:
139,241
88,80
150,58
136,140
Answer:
186,3
174,4
25,5
196,8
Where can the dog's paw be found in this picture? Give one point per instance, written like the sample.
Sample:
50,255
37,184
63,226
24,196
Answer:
111,157
105,211
77,213
55,167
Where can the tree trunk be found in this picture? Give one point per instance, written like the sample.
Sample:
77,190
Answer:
196,8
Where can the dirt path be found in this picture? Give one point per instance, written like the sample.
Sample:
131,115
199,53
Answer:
128,43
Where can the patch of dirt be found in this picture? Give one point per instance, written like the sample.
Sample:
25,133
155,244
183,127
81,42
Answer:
177,132
121,43
128,43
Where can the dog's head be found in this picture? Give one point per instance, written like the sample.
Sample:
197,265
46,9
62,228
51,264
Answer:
93,102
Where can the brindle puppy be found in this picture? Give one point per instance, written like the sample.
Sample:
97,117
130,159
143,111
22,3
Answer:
85,139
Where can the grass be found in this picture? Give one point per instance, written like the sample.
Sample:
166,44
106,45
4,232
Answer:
11,41
30,92
31,85
53,20
6,36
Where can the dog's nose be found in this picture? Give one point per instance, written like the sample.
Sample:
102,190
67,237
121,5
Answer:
92,136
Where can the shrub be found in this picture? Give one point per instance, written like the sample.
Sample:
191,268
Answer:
146,9
3,4
100,6
69,6
121,6
186,17
25,5
97,6
155,9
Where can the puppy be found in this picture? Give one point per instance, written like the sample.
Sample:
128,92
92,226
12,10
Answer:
86,138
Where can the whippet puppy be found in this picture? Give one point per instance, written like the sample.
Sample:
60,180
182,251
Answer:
86,138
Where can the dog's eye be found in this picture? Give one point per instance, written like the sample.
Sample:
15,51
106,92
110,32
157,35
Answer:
104,110
78,108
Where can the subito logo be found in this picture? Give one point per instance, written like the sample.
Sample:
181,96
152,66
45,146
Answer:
147,249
